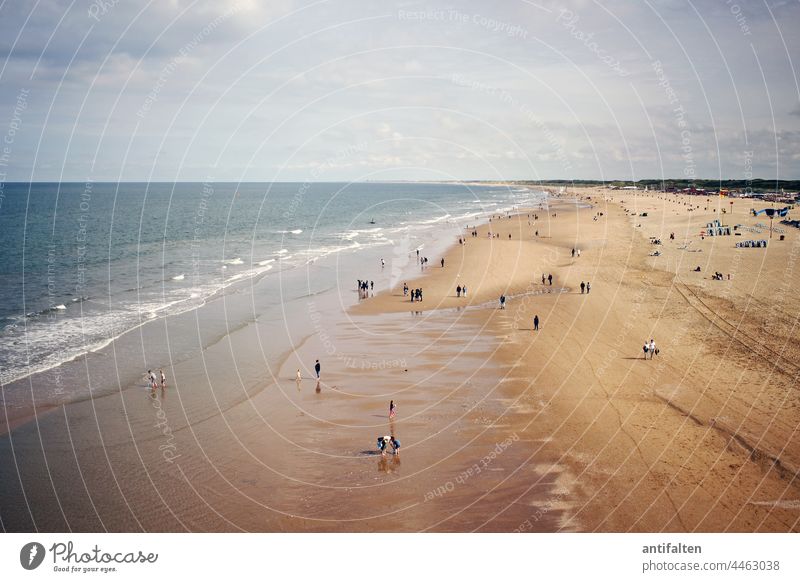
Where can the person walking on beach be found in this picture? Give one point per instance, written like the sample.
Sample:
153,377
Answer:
543,279
442,263
652,348
464,290
550,278
383,263
579,253
535,323
645,347
163,379
588,287
458,291
583,287
298,377
392,409
152,378
502,302
317,368
573,253
405,289
372,285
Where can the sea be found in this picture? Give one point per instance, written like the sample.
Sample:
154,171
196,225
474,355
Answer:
86,264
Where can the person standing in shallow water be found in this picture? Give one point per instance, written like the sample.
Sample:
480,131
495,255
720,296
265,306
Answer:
317,368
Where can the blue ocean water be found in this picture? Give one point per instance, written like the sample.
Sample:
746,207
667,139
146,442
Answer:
82,264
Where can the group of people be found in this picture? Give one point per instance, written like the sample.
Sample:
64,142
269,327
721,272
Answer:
650,348
383,441
416,294
547,280
423,261
153,381
364,287
578,252
585,287
317,371
461,291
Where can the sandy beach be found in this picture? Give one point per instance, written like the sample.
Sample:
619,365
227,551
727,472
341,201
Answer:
503,428
700,438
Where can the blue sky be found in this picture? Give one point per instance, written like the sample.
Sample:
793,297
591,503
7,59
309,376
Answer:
352,90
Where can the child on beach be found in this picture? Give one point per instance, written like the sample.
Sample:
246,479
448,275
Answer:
392,409
395,445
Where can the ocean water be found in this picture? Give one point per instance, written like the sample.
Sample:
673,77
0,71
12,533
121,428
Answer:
83,264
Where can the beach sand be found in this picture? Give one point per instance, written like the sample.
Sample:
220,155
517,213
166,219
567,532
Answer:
502,428
701,438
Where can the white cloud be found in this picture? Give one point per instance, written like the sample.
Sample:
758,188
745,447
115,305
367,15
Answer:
271,90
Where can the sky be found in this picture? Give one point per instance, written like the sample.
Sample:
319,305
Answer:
348,90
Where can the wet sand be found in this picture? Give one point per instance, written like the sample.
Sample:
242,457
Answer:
502,428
